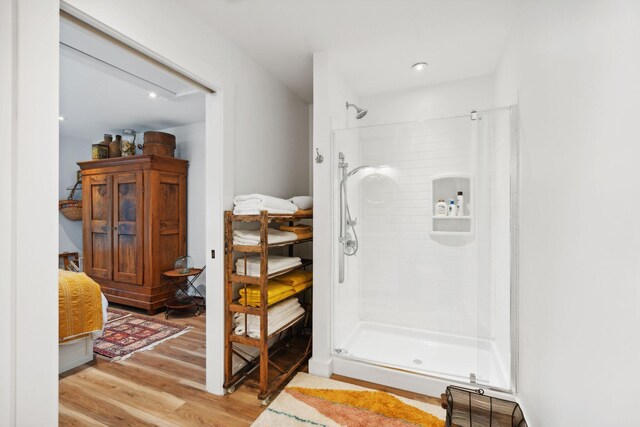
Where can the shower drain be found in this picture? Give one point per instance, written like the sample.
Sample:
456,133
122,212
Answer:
417,361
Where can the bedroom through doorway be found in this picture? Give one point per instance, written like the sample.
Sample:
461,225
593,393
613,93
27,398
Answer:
132,228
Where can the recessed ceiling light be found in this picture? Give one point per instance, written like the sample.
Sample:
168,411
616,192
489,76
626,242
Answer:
61,118
419,66
152,95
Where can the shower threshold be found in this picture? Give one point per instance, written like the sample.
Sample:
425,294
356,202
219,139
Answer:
446,356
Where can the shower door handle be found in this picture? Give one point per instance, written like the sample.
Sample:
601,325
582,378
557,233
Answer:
341,263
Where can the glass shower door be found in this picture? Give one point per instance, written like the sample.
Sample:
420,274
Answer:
410,295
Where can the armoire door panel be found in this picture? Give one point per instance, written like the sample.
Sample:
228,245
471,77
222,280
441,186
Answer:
170,235
97,231
128,227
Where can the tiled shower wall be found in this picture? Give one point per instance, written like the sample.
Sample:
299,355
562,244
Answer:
410,277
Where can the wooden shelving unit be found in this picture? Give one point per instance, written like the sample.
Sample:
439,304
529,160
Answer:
267,383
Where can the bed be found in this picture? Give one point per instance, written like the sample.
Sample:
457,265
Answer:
82,316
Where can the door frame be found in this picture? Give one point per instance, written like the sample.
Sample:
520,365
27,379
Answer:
219,161
29,36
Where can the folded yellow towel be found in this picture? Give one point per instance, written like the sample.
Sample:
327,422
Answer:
302,231
302,286
294,228
254,301
305,212
278,288
294,278
273,289
301,235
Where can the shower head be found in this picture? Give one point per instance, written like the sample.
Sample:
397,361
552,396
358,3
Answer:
360,112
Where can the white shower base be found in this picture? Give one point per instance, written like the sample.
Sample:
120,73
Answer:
447,357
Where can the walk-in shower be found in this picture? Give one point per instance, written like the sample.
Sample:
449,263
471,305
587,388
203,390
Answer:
417,292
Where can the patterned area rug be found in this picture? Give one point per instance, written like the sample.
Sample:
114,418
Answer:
115,314
314,401
127,333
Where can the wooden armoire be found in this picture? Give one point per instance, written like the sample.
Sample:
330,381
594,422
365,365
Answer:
134,226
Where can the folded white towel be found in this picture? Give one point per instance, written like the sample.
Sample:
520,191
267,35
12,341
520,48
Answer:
278,316
252,237
302,202
255,210
274,319
254,329
275,312
249,203
275,263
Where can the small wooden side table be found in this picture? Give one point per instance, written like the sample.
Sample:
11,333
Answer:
190,276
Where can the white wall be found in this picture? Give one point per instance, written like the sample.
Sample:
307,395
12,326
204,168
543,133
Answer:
429,102
72,151
190,145
574,66
28,214
331,90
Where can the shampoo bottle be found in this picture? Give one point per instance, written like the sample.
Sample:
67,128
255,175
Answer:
441,208
452,208
460,207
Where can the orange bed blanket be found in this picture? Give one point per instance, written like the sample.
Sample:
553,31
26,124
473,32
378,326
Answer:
80,305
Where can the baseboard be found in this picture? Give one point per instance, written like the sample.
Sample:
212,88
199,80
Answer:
422,384
321,368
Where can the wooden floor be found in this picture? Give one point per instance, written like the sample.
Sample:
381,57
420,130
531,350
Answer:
162,387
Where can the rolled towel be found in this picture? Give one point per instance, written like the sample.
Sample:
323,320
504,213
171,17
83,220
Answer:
302,202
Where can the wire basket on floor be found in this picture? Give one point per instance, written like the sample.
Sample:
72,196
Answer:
471,408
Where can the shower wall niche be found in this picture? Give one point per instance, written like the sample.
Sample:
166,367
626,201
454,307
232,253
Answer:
427,294
446,188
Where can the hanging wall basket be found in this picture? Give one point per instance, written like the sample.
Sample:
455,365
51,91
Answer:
71,209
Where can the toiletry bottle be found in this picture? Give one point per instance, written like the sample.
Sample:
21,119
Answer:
452,208
460,207
441,208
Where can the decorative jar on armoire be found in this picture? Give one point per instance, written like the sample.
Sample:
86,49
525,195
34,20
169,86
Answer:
134,226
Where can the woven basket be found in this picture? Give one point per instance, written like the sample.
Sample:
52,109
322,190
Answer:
71,209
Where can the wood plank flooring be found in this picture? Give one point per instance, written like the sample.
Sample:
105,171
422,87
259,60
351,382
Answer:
163,387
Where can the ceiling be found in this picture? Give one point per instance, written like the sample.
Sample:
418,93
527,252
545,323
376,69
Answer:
105,88
374,42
